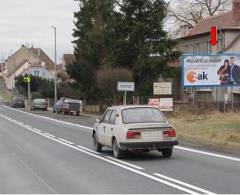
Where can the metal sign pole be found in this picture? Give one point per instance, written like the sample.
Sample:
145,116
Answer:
232,99
125,97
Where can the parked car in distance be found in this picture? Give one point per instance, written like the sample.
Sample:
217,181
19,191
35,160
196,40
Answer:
39,104
71,106
18,102
134,128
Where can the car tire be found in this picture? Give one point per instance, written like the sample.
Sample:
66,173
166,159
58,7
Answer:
117,152
78,113
96,145
167,152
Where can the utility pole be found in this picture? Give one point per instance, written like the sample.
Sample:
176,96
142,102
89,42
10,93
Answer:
55,61
29,87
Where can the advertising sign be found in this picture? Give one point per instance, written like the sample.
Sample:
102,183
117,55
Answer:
126,86
162,88
164,104
211,70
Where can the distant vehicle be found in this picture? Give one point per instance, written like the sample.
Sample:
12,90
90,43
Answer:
68,106
134,128
18,102
71,106
39,104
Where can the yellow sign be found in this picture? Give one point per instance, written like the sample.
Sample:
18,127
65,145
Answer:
26,79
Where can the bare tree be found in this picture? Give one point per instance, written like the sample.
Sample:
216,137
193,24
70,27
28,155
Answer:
185,14
107,79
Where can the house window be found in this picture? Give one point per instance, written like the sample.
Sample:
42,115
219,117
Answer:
209,46
36,73
186,49
197,48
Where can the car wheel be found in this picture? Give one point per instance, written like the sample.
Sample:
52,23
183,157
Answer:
167,152
96,145
78,113
117,152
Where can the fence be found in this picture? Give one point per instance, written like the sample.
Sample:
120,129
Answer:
179,106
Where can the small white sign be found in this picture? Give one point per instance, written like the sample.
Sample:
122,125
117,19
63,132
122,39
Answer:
162,88
164,104
126,86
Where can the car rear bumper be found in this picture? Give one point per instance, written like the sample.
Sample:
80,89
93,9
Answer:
147,145
19,105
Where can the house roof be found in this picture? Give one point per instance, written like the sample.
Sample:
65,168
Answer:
44,57
223,21
20,57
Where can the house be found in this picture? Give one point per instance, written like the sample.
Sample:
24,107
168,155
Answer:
197,40
67,59
2,67
38,60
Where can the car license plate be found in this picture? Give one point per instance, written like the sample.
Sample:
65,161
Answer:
152,134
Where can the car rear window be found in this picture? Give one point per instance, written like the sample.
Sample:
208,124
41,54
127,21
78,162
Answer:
142,115
19,99
39,101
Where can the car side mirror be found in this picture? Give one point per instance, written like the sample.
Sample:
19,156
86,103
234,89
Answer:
97,120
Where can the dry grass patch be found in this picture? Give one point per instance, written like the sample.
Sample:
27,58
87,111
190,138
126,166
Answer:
220,130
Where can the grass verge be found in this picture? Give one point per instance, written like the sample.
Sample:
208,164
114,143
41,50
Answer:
218,131
6,95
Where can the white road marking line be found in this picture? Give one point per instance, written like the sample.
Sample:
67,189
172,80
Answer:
177,147
28,126
49,134
44,117
126,163
37,130
84,148
183,184
208,153
65,140
117,164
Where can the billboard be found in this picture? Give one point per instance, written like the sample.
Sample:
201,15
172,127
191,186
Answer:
211,70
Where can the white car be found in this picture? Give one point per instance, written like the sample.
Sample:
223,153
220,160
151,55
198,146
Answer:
134,128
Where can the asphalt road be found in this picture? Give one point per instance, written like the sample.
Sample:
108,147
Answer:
44,155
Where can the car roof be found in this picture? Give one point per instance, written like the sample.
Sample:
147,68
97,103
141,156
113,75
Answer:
121,107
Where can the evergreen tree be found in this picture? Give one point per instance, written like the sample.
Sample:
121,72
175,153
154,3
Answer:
91,26
146,48
121,34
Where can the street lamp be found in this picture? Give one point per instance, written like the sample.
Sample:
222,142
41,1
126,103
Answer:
29,88
55,61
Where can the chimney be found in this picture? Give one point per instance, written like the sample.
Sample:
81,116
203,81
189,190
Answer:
236,11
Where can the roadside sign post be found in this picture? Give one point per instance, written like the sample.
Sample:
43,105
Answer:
125,86
162,88
26,79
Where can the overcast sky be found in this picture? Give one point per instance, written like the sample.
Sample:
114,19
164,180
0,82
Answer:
30,21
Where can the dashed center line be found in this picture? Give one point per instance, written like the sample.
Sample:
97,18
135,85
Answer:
65,141
49,134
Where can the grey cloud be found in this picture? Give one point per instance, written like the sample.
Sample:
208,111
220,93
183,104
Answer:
31,20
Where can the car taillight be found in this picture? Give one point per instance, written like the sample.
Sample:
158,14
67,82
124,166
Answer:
169,133
133,135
